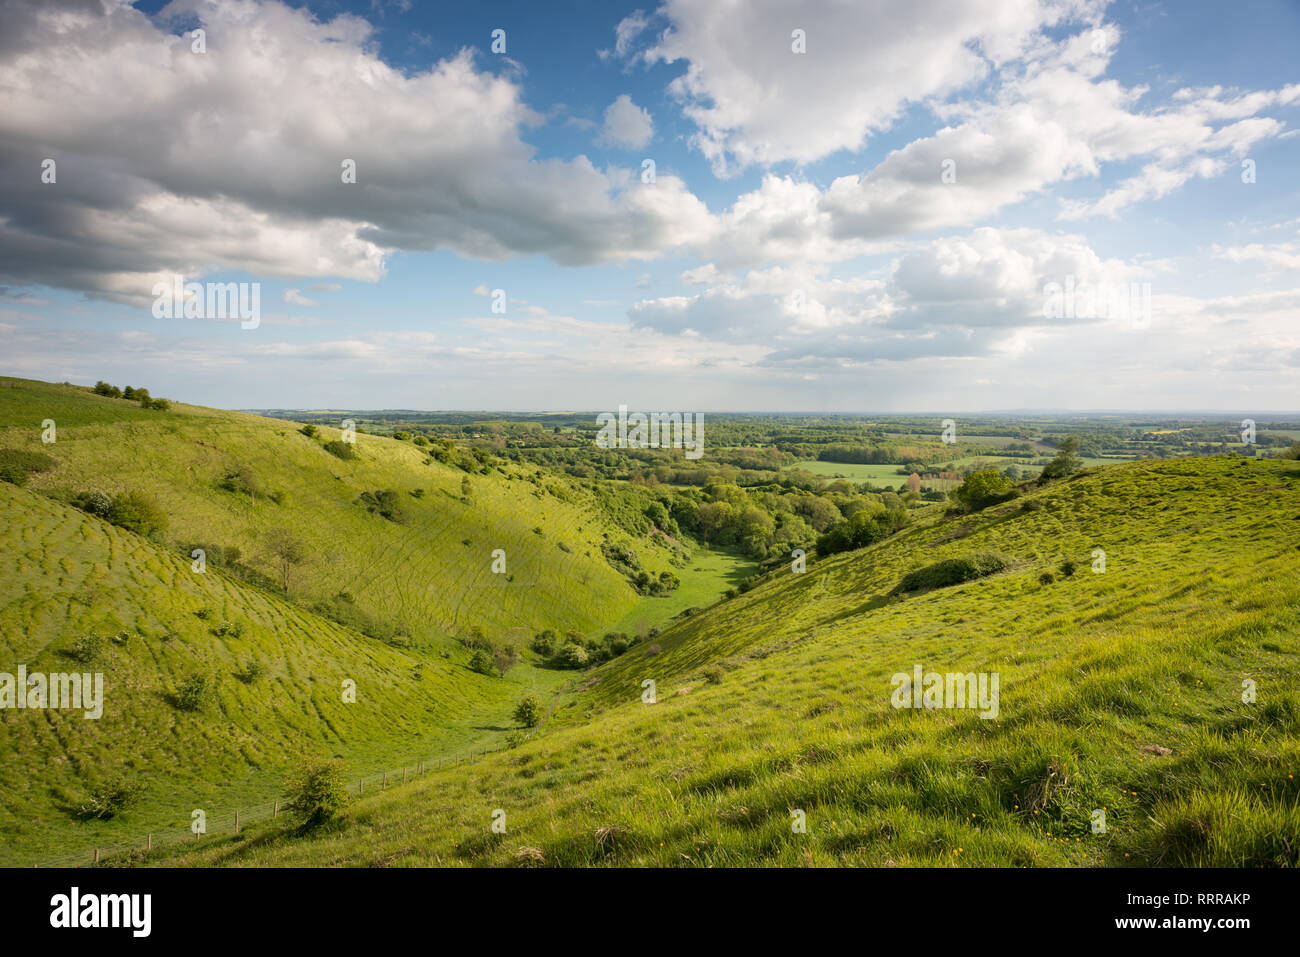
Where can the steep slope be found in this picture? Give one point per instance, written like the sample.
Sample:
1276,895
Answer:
64,574
1121,692
429,575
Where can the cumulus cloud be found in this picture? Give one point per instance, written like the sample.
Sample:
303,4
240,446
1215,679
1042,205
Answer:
754,100
961,296
626,124
174,161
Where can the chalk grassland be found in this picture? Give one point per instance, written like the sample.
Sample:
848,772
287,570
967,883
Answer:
1121,691
431,575
65,574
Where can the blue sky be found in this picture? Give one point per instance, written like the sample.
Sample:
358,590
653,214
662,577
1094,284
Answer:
871,224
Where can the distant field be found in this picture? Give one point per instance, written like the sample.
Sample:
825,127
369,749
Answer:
710,573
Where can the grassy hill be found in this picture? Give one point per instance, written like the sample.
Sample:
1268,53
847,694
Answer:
1120,690
429,575
162,625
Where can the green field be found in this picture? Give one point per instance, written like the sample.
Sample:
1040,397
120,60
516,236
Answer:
1121,690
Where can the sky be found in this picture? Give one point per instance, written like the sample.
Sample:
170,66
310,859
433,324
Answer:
938,206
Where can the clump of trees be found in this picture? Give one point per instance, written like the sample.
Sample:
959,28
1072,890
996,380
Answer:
341,450
983,489
861,529
138,395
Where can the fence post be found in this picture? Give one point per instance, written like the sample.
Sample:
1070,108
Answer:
384,783
148,843
361,786
236,820
403,774
96,855
275,810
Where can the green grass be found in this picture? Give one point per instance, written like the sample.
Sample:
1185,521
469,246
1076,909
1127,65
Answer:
1120,690
64,574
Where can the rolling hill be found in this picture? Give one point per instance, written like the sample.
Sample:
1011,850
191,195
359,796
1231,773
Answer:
1125,699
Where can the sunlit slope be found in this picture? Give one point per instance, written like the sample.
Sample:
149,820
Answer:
1120,691
64,574
430,575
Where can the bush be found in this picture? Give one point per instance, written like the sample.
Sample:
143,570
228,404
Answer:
317,792
862,528
481,661
342,450
953,571
1046,578
16,465
243,481
253,671
87,649
570,656
529,712
137,512
310,431
159,405
384,503
1067,569
402,436
110,798
544,643
713,675
194,692
103,388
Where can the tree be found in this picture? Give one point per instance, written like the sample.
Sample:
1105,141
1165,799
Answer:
288,552
1066,462
984,488
914,482
243,481
504,658
529,711
104,388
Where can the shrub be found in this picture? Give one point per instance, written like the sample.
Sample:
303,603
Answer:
342,450
194,692
16,465
317,792
529,711
1046,578
544,643
310,431
570,656
713,675
137,513
86,648
1067,569
1066,461
481,661
383,503
252,673
110,798
421,441
243,481
103,388
953,571
159,405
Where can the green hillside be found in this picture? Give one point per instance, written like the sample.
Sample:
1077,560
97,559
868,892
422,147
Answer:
139,610
429,575
1120,691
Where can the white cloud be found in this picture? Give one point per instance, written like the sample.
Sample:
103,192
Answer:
626,124
296,297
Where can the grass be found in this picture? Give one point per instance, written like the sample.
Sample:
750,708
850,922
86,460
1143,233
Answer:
1121,691
65,574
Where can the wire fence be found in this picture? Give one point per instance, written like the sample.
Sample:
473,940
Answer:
230,822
